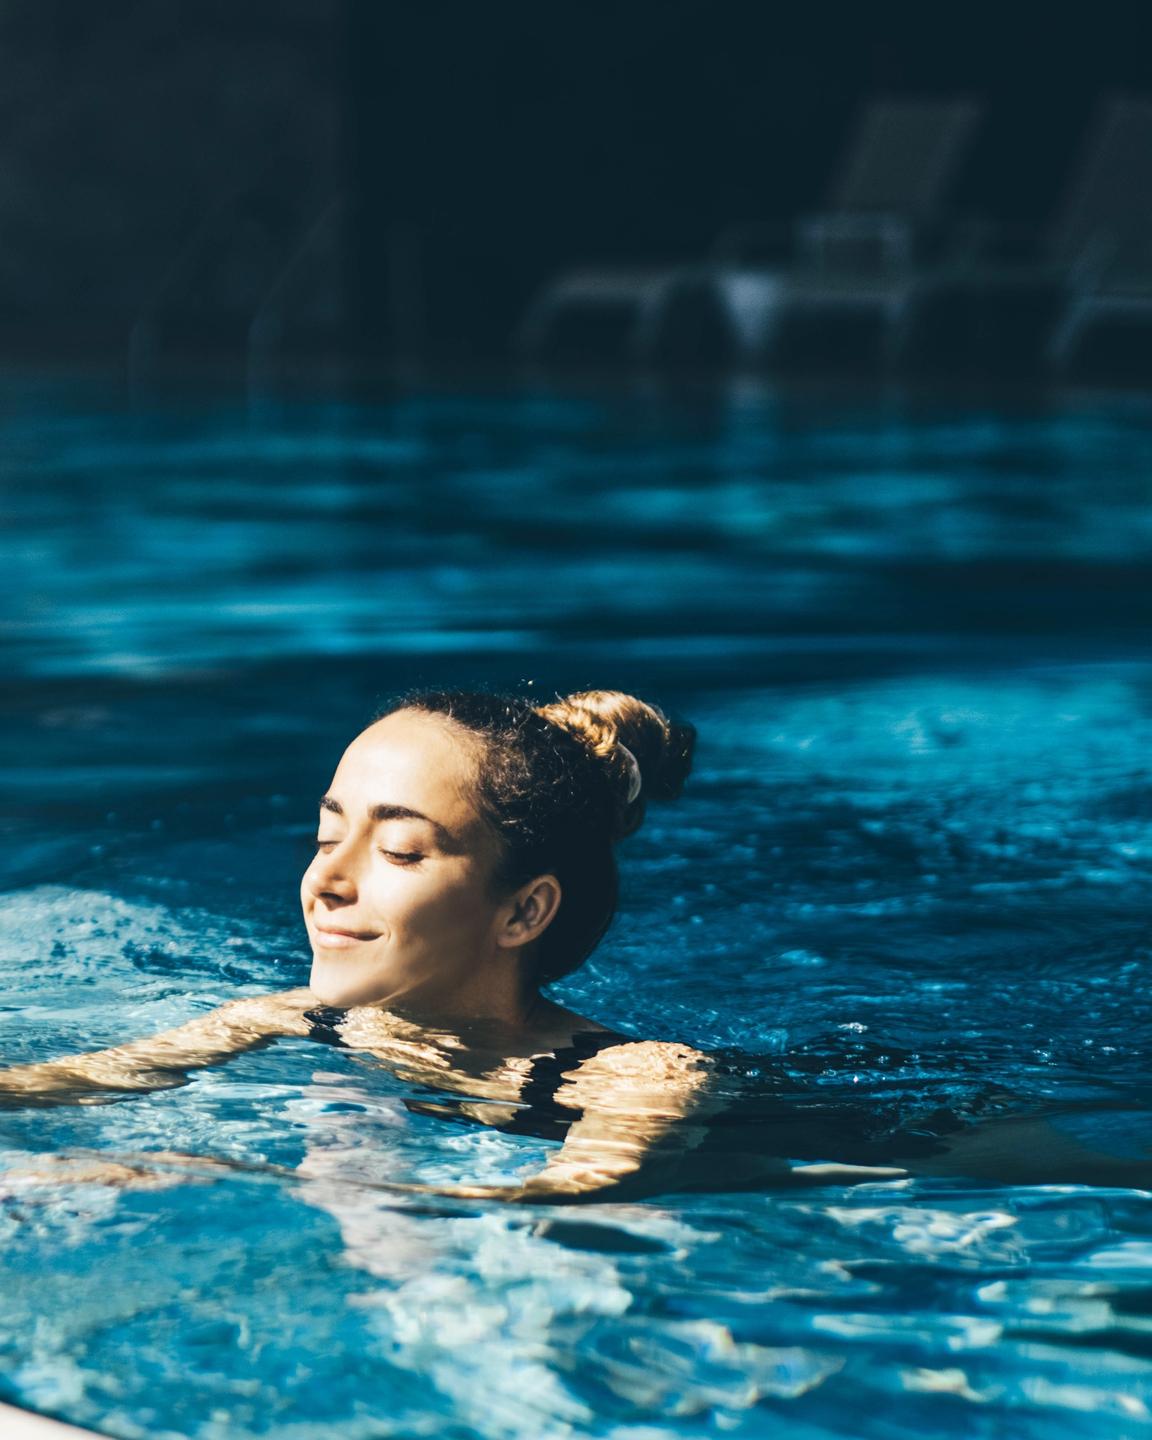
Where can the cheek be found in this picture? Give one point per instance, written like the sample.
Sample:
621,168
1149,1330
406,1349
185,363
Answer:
434,906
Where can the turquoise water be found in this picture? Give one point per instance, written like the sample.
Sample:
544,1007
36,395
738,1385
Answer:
911,871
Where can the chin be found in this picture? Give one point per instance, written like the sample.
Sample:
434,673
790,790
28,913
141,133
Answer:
332,984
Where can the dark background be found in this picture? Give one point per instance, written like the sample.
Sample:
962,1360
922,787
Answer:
392,177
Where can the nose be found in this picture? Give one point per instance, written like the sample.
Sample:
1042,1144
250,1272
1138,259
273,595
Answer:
330,875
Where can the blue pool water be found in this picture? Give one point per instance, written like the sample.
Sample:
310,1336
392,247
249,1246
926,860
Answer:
910,873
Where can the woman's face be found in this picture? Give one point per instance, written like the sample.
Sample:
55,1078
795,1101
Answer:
410,887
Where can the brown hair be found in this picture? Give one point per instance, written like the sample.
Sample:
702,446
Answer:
552,782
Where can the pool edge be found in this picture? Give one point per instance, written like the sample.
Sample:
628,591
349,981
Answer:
20,1424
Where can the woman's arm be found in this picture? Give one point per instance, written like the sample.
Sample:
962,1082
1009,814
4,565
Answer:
641,1106
160,1062
646,1106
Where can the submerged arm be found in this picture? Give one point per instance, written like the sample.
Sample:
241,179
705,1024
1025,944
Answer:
642,1106
159,1062
646,1106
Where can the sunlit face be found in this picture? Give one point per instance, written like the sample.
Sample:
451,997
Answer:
408,891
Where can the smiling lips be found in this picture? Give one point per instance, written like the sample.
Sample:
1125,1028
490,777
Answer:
340,939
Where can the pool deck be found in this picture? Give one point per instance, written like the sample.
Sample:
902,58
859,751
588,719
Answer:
16,1424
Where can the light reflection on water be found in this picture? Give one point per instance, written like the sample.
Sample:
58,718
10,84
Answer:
911,866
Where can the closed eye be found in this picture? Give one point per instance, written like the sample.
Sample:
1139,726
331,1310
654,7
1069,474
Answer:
400,857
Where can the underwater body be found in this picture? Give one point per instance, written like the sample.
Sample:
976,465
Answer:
902,904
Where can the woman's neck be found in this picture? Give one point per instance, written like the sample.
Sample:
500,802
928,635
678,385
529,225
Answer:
498,997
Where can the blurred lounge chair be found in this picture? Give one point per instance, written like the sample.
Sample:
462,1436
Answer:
860,268
882,207
1107,242
607,306
1028,298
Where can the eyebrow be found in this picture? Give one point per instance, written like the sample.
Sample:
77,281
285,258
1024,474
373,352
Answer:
377,813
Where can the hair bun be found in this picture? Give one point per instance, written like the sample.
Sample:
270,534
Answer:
630,736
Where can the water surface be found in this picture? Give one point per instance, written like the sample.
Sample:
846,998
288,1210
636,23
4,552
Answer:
910,871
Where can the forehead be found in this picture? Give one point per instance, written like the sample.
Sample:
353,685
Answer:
411,759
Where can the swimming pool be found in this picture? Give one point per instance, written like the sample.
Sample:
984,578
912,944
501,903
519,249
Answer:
911,868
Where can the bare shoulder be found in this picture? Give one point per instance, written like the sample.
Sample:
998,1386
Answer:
643,1082
627,1056
279,1010
654,1060
556,1026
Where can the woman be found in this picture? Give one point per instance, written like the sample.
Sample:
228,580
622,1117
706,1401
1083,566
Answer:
464,861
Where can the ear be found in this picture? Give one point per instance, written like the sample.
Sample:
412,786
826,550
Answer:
528,912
